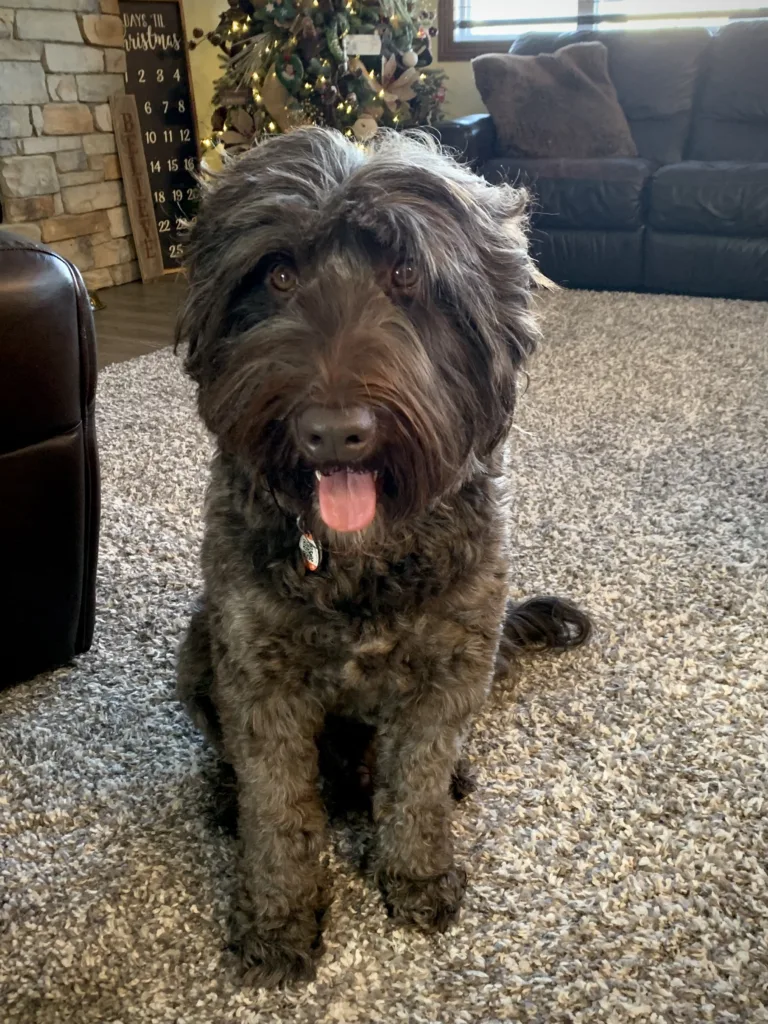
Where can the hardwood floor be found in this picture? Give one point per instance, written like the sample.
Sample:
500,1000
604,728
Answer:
137,318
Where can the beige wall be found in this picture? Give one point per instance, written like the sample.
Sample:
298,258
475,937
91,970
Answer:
462,97
203,60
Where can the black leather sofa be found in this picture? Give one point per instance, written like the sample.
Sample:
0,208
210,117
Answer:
690,214
49,465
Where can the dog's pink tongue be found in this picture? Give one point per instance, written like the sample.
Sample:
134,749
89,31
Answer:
347,500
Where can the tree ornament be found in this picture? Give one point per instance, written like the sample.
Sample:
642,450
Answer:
332,41
365,127
410,58
290,71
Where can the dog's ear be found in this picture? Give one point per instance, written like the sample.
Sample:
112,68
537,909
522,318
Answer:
497,294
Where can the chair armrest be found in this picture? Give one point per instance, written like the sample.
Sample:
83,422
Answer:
472,138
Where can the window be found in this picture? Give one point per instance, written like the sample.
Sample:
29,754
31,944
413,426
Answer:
471,27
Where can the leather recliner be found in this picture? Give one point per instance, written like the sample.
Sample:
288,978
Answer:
690,213
49,469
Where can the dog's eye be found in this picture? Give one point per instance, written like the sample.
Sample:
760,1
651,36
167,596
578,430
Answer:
283,277
405,275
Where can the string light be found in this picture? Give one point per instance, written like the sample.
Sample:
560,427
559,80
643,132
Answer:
272,126
255,76
257,97
207,143
348,108
380,94
322,79
235,26
422,78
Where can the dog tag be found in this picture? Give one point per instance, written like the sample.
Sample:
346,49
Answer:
311,552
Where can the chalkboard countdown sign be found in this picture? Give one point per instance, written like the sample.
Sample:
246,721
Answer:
158,76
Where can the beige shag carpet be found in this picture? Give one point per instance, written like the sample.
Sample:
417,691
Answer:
618,844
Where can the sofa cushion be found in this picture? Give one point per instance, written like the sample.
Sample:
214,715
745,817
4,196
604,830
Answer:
591,259
731,121
655,74
711,198
734,268
554,105
579,193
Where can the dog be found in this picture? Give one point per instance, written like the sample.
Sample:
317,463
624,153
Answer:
356,322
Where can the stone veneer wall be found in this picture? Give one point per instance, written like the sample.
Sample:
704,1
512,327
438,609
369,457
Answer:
60,61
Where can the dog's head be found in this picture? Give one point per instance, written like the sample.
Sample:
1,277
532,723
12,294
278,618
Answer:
355,320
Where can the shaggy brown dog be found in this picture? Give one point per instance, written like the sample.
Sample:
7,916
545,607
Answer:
356,321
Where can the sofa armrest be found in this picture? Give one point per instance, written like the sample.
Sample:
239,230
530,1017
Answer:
472,138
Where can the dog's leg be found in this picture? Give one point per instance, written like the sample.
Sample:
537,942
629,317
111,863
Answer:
417,752
194,677
271,741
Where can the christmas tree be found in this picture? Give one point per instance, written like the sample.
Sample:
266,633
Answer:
355,65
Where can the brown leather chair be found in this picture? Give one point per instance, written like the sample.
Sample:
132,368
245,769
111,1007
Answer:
49,469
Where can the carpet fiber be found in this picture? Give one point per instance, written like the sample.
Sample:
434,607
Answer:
618,843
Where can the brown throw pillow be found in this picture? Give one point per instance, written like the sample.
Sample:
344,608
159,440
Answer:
560,104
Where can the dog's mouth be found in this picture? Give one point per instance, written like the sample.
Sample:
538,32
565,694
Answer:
347,497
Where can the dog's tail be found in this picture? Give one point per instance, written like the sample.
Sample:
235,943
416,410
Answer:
541,623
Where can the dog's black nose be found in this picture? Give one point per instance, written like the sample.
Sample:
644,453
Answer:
336,435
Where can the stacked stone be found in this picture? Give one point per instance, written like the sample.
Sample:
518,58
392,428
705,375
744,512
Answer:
60,61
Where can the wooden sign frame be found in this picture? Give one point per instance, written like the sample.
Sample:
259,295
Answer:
196,137
138,192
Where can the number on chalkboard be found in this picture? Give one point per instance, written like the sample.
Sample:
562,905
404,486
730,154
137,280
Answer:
160,75
142,76
182,107
147,107
177,75
163,226
150,137
189,163
178,195
159,197
180,223
193,193
166,104
186,135
168,135
173,164
176,251
154,166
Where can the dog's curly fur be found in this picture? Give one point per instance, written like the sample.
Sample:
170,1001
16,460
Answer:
403,624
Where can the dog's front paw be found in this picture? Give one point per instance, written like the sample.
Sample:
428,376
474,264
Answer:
431,904
279,955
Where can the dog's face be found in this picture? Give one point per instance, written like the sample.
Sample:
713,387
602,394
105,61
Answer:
355,322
